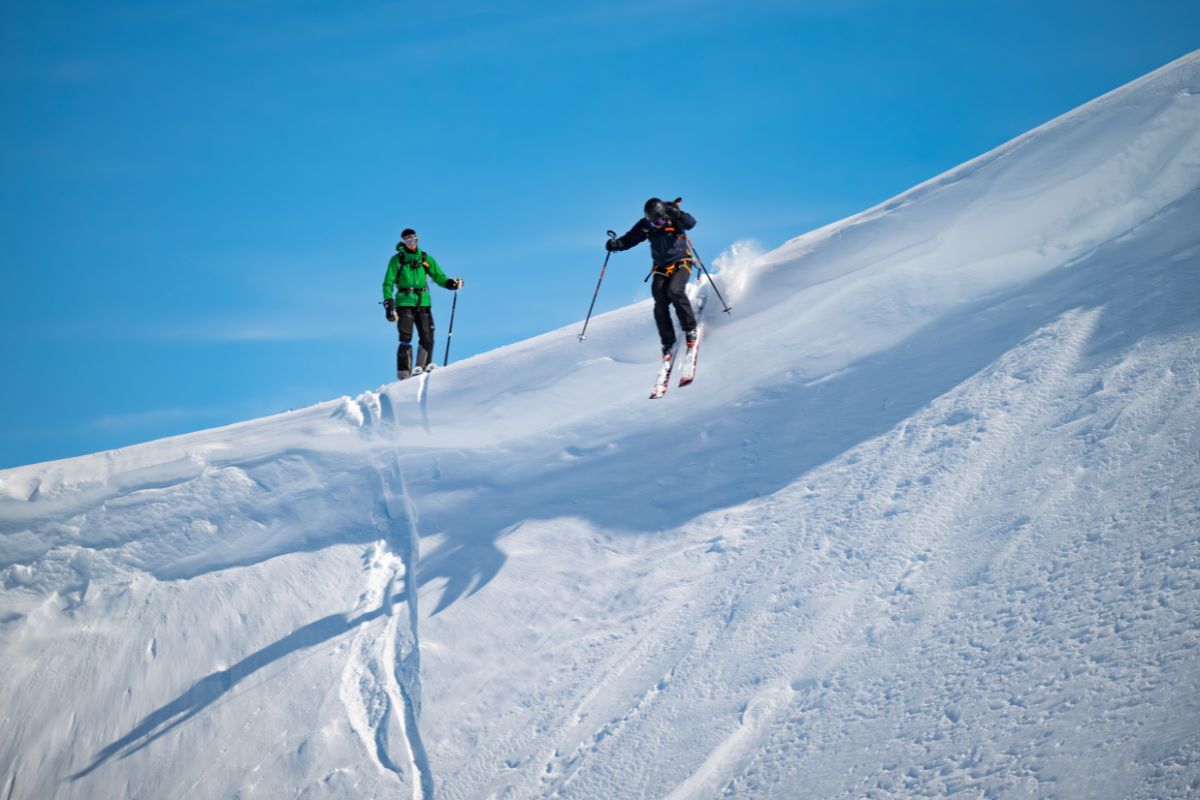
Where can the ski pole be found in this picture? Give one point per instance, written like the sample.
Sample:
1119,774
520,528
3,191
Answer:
595,294
450,334
700,261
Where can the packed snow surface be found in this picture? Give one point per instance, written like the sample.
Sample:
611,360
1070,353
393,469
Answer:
927,524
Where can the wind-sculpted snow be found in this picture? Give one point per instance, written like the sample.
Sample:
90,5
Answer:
925,525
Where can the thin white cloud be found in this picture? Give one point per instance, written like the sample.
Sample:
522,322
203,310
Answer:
300,327
138,420
307,324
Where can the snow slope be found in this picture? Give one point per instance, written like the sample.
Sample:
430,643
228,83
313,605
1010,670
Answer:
928,523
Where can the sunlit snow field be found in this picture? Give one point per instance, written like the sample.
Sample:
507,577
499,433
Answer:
926,524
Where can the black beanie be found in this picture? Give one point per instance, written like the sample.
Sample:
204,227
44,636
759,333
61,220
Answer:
406,232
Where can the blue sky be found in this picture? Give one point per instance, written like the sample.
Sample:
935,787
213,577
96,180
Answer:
199,198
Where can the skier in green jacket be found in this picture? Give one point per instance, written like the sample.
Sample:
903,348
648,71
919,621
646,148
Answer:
406,301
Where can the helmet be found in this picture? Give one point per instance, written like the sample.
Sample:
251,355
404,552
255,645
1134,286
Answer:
655,208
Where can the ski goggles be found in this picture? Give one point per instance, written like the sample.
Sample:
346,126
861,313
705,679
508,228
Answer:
659,222
410,240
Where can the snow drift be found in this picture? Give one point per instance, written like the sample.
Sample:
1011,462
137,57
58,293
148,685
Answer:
925,524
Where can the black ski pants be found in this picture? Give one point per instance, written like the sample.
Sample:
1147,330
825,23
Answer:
670,290
406,318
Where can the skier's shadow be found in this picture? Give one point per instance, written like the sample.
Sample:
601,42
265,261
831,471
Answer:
465,566
211,688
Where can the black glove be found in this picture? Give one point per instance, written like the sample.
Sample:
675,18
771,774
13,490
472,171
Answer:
673,210
454,284
612,245
389,308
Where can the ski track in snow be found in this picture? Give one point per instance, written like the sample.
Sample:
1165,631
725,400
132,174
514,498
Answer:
423,400
937,537
877,604
982,765
381,682
884,591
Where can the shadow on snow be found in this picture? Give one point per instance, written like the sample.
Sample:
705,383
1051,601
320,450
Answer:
211,688
753,449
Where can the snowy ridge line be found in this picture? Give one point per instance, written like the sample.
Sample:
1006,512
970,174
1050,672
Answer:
244,440
53,476
1183,71
126,489
1099,176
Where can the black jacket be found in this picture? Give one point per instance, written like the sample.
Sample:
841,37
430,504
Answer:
667,244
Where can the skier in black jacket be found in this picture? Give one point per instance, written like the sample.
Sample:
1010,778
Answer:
663,225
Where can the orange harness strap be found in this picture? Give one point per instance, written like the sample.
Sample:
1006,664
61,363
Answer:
666,270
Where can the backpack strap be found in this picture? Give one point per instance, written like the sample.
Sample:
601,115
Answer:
425,264
424,261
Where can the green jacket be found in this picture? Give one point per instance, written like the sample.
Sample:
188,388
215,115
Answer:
407,276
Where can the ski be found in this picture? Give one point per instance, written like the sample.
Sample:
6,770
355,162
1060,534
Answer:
664,375
693,352
689,359
416,372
